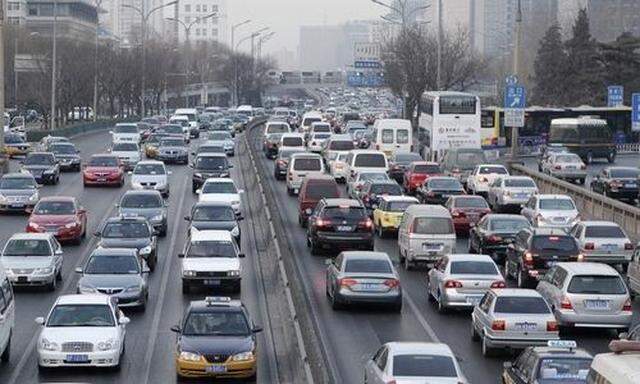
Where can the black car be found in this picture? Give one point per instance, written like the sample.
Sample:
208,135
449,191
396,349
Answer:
43,166
67,155
207,165
621,183
130,232
372,191
400,163
282,161
437,190
339,224
215,215
493,233
270,146
535,250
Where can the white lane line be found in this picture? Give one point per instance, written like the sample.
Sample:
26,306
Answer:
166,268
421,319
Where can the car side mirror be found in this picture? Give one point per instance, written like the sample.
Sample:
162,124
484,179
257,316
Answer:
58,252
124,320
169,172
40,320
230,166
79,270
256,329
241,255
180,255
176,329
193,153
239,218
187,218
240,191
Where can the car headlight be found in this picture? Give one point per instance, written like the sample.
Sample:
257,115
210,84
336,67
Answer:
43,271
3,198
34,197
198,175
87,289
157,218
136,185
190,356
72,225
134,289
107,345
233,273
48,345
188,273
146,250
243,356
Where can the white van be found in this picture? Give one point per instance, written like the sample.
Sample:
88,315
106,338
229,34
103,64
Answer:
191,114
425,234
182,121
309,118
292,140
393,135
246,110
365,160
7,315
303,165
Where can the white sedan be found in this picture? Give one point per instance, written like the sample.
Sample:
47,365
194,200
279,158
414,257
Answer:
221,190
483,176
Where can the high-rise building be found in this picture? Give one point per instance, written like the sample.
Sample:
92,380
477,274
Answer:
76,19
189,11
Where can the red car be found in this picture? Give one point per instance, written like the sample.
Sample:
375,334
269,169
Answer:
466,211
103,170
60,215
311,191
417,173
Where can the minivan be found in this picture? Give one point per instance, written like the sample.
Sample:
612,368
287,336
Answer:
309,118
7,315
393,135
312,190
426,233
303,165
291,140
365,160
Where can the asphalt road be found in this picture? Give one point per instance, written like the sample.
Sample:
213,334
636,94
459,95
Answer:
149,357
350,337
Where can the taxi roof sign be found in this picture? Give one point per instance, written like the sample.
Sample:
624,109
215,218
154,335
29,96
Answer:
217,300
564,344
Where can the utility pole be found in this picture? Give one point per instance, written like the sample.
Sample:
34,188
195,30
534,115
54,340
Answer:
439,55
234,95
54,58
95,64
516,67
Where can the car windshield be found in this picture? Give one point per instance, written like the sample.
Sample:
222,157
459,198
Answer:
125,147
139,200
625,173
597,284
604,231
345,213
569,158
81,315
519,183
341,145
321,128
112,265
488,170
563,370
13,139
55,208
219,187
554,243
103,161
467,160
367,266
39,159
473,268
307,164
211,162
211,249
292,141
129,230
189,116
386,189
317,191
470,202
429,169
277,128
321,136
399,206
63,149
521,304
17,183
221,323
508,225
557,204
172,129
420,365
27,247
219,136
370,160
210,149
126,129
172,143
149,169
445,184
433,226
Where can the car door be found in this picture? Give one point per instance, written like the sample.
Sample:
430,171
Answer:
516,373
5,317
375,369
481,312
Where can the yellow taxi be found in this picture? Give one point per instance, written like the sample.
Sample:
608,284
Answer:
216,339
151,146
15,145
386,217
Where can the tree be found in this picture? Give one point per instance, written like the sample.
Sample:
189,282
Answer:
621,61
550,69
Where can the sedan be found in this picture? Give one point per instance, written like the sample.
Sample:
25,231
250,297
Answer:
33,259
511,192
399,164
364,278
466,211
18,192
483,176
437,190
224,139
567,166
221,190
173,150
103,170
128,153
62,216
551,211
622,183
147,204
67,156
493,233
354,187
152,175
603,242
215,215
43,166
417,173
15,145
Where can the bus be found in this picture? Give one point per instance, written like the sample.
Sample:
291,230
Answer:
490,127
449,120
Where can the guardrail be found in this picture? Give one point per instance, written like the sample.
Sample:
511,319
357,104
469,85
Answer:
72,130
590,205
628,148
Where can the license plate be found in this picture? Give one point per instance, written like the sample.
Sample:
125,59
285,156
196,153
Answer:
526,326
102,180
602,305
521,195
558,219
431,247
345,228
212,282
630,185
17,205
77,358
22,279
570,167
369,286
473,300
216,369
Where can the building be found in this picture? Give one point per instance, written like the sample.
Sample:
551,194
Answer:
76,19
189,11
285,58
16,12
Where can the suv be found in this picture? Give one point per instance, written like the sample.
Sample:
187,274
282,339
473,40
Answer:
148,204
311,191
215,215
603,242
43,166
208,165
620,183
33,259
535,250
130,232
18,192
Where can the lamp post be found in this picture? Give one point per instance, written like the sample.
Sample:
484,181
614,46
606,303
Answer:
95,64
53,66
263,40
234,96
251,37
144,17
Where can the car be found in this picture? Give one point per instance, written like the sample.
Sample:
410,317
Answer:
103,169
224,139
466,211
365,160
289,140
438,189
417,172
354,186
558,361
172,150
338,167
551,211
33,259
567,166
147,204
316,141
209,147
128,153
483,176
117,273
221,190
460,162
281,164
548,150
177,130
460,281
272,134
67,156
419,362
362,138
43,166
603,242
208,165
18,192
8,310
339,224
81,331
126,132
387,216
62,216
494,232
510,192
130,232
151,175
215,215
216,338
185,126
535,250
371,192
334,145
15,145
587,295
512,318
45,142
620,365
301,166
312,190
621,183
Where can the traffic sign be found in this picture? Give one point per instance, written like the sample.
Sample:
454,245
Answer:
615,95
367,64
511,80
514,117
515,96
635,112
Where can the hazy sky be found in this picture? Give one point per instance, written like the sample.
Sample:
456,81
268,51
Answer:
286,16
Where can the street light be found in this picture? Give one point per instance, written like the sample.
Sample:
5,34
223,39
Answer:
263,40
234,98
401,11
53,67
144,17
95,64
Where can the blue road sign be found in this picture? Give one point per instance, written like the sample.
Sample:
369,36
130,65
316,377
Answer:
635,112
615,95
515,96
511,80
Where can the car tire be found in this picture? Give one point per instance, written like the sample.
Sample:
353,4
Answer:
397,307
380,231
486,350
152,261
441,307
474,333
59,275
6,354
289,191
581,181
430,297
52,285
336,305
194,188
407,264
163,231
186,288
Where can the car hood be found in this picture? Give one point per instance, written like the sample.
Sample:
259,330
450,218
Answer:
110,281
222,225
144,212
137,243
67,156
94,335
224,143
149,179
176,148
211,264
17,192
52,219
101,169
557,213
227,345
222,197
26,262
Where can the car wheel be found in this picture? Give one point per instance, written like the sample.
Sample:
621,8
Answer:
400,257
59,275
335,303
6,354
474,333
441,307
380,231
186,288
407,264
194,188
430,297
290,191
315,250
52,285
163,231
486,350
397,307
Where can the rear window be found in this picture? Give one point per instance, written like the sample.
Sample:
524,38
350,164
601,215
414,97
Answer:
446,184
557,369
307,164
509,225
557,204
625,173
318,191
424,366
399,206
322,128
387,136
607,231
433,226
277,128
599,285
367,266
519,183
473,268
292,141
341,145
345,213
554,243
406,157
470,202
429,169
568,159
370,160
469,159
386,189
402,136
521,304
492,170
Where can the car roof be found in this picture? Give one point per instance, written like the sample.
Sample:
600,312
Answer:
400,347
581,268
114,252
83,299
335,202
18,175
398,198
305,155
621,168
202,306
212,204
516,292
116,219
58,198
422,162
367,151
211,154
365,255
603,223
31,236
210,235
142,192
442,178
428,210
219,180
469,257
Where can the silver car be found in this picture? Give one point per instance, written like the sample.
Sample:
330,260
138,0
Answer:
587,295
147,204
355,185
18,192
603,242
568,166
225,140
128,153
33,259
151,174
512,318
551,211
460,281
510,192
363,277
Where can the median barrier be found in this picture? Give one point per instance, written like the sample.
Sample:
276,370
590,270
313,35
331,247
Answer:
73,130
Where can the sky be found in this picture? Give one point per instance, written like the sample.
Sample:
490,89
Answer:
286,16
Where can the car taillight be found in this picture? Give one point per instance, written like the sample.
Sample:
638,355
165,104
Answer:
452,284
627,306
498,325
552,326
580,257
430,193
347,282
628,246
391,382
366,224
456,213
323,223
494,239
392,283
566,303
528,259
498,284
589,246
